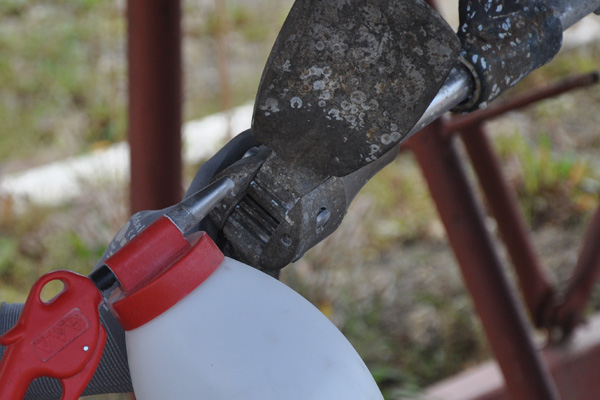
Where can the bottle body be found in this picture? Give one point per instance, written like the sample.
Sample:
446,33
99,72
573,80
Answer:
244,335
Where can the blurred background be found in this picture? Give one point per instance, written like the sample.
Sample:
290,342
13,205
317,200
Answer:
387,277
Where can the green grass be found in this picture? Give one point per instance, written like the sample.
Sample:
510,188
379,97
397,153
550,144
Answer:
63,69
250,30
60,74
44,239
552,187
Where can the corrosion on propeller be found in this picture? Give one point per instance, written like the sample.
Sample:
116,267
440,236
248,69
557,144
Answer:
347,79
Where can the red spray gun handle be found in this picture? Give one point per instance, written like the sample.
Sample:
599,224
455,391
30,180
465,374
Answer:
61,338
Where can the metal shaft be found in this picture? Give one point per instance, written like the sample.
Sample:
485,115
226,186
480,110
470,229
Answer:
187,214
456,89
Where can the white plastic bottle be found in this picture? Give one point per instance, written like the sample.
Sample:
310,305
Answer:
240,334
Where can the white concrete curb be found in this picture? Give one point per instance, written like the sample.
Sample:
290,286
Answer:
56,183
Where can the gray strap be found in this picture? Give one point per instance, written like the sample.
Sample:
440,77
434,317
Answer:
112,375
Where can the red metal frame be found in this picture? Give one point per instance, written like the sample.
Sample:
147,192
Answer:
545,308
503,320
570,312
536,289
526,376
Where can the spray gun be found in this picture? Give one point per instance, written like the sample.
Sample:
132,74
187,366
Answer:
196,322
63,338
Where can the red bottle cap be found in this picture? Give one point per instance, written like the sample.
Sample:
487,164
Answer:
185,274
148,254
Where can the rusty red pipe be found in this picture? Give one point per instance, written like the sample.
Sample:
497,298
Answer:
155,97
536,289
527,378
570,313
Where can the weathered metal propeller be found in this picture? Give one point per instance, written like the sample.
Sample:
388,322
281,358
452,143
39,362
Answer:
347,79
